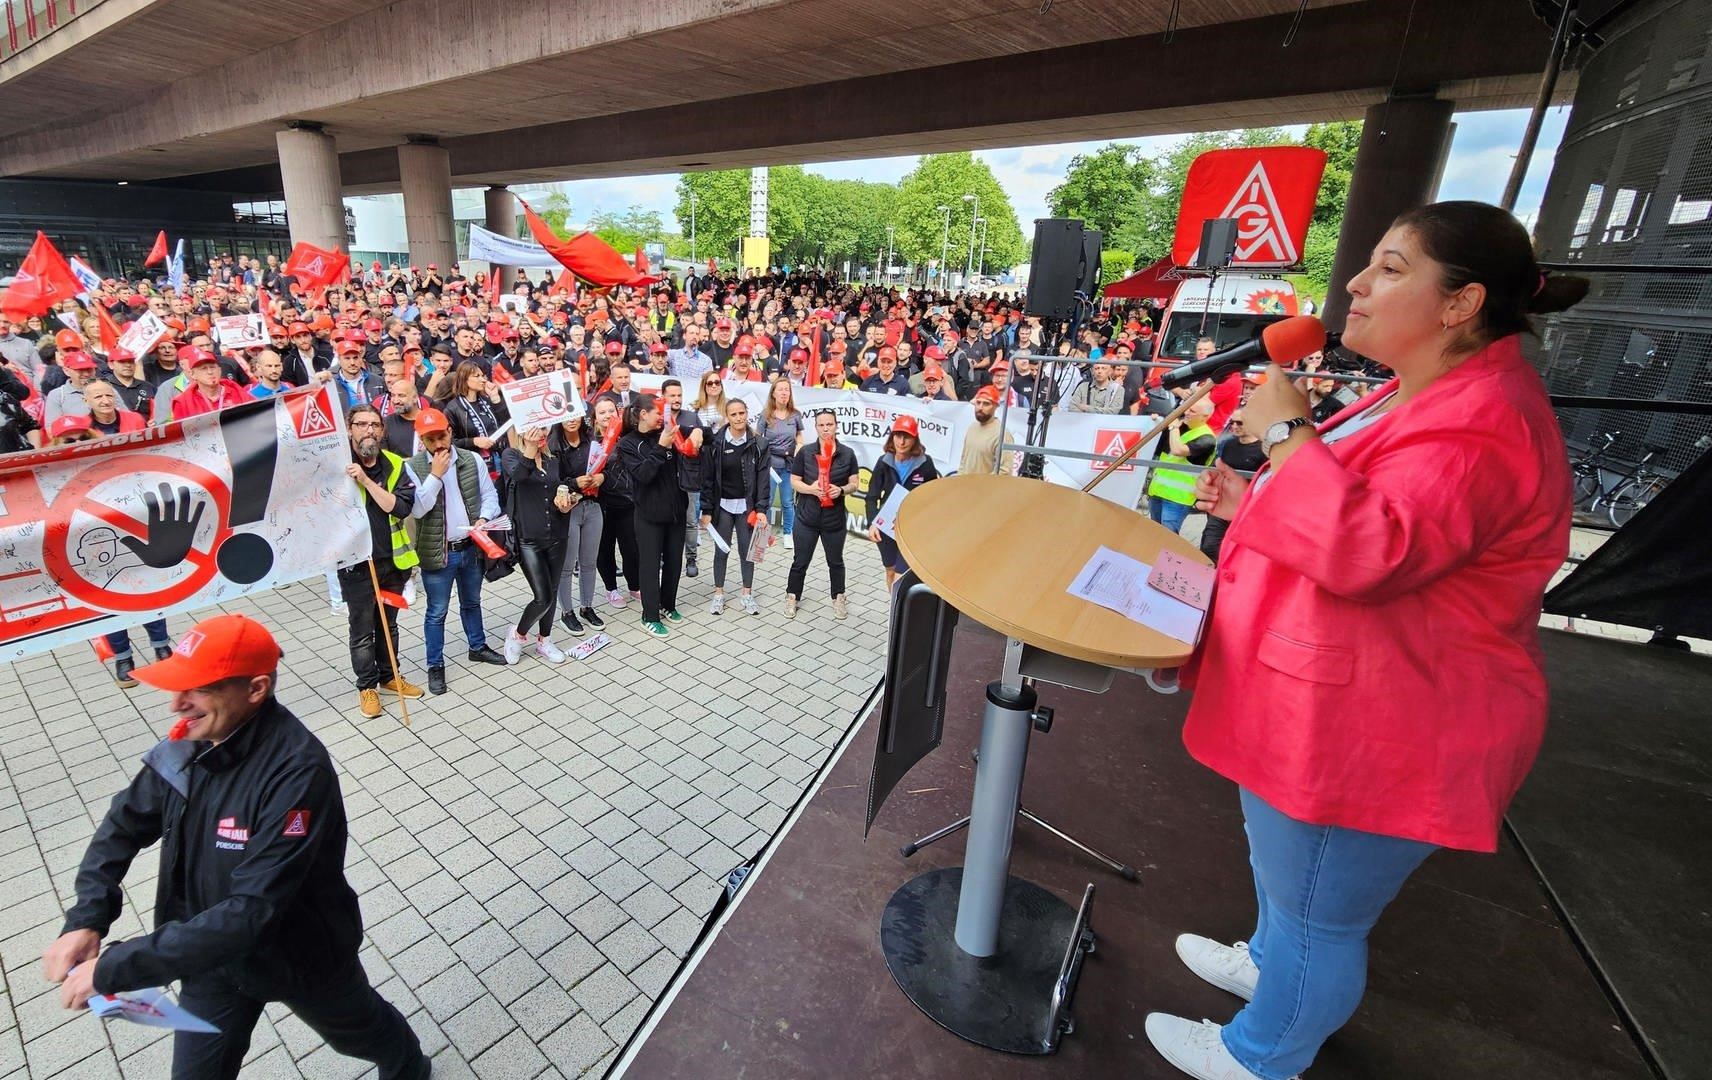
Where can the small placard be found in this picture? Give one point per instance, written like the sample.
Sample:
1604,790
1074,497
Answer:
1183,580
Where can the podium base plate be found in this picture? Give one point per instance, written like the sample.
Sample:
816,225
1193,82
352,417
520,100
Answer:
1005,1001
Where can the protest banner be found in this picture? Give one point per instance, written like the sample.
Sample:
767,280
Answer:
143,335
240,331
99,536
1091,433
541,400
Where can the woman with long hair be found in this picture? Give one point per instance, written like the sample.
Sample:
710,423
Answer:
782,430
572,444
710,401
648,451
537,507
618,511
734,492
1370,678
904,463
475,409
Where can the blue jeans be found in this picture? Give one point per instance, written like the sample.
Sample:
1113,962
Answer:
1321,888
120,640
783,493
1167,513
465,567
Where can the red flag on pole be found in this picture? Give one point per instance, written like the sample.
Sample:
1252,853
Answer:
493,289
44,279
109,330
316,268
158,252
585,254
641,260
566,283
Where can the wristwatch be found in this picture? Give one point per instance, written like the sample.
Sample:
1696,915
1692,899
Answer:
1280,431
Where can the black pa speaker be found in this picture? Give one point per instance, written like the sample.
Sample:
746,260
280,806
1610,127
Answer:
1218,243
1089,281
1055,272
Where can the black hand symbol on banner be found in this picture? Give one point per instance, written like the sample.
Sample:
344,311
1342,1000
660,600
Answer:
171,528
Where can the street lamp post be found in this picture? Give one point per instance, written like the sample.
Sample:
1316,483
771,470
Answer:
969,266
692,230
984,223
889,237
944,247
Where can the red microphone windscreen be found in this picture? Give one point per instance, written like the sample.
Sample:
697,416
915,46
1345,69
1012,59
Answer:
1288,340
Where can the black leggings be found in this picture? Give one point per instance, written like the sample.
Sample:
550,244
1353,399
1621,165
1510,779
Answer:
831,538
542,561
725,523
660,557
617,531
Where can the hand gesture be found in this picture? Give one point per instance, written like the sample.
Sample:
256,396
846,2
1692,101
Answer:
171,528
874,533
1219,491
68,950
483,442
695,438
441,461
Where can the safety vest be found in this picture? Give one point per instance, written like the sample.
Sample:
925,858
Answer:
663,325
1176,485
403,552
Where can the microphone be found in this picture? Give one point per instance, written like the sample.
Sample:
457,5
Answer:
1282,342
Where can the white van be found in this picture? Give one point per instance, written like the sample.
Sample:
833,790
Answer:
1229,308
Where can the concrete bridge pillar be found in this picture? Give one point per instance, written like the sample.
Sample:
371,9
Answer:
425,173
314,200
502,219
1397,168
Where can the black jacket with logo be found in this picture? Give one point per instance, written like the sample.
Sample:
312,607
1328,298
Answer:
252,867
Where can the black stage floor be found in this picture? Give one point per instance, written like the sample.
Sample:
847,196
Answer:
1474,974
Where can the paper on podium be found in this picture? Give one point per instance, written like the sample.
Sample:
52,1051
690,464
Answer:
153,1007
1118,582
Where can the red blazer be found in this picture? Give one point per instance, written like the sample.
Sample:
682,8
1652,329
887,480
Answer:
1372,659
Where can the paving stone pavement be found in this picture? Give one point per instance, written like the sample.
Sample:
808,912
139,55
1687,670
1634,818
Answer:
535,853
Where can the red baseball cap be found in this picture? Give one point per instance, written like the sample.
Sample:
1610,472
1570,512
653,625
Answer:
192,357
373,326
657,349
799,354
933,352
68,339
722,324
614,348
887,353
934,371
987,393
743,349
65,425
429,421
77,360
218,648
906,425
297,328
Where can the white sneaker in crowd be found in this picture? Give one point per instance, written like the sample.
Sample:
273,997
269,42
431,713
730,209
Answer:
1227,967
339,608
717,605
1195,1048
615,598
747,603
546,650
513,647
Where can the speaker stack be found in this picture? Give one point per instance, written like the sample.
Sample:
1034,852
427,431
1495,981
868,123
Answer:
1066,261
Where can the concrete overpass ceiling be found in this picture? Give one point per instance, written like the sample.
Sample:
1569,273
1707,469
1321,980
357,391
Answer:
107,106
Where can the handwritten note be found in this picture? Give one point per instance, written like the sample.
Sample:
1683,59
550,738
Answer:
1189,582
1118,582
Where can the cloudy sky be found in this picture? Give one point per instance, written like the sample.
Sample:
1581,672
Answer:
1480,157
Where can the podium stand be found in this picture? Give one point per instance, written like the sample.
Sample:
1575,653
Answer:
990,957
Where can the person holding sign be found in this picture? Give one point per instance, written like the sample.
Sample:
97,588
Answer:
734,499
537,505
903,464
822,473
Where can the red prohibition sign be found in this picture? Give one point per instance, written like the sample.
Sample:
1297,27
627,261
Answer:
74,497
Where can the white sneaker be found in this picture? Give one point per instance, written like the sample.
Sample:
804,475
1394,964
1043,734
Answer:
513,648
747,603
546,650
1227,967
615,598
1194,1047
339,608
717,606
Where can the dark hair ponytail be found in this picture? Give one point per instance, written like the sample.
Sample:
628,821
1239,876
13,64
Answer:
1478,243
633,412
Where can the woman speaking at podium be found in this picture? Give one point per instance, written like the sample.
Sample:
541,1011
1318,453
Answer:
1371,676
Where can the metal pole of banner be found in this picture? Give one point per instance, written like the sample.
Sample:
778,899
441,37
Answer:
1548,85
391,653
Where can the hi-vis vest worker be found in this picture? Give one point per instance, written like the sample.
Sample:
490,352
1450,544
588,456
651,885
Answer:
403,552
1176,485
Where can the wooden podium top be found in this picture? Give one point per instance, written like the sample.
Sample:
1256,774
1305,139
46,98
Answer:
1003,550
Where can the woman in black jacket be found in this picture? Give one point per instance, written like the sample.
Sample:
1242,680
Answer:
734,486
476,410
573,445
618,512
648,453
537,507
902,462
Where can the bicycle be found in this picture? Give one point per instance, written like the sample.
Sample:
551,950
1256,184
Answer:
1586,468
1632,491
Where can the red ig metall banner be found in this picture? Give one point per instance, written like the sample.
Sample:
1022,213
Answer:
1269,190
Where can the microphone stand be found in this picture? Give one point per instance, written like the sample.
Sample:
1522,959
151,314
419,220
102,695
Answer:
1039,413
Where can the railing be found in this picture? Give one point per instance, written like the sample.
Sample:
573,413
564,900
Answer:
29,21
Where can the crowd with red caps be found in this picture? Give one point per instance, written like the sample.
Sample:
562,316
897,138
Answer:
614,508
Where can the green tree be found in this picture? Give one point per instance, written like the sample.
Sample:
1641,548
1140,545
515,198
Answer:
555,209
943,180
1339,140
721,211
1115,265
626,230
1107,189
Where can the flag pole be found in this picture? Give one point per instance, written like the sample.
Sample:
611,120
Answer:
391,654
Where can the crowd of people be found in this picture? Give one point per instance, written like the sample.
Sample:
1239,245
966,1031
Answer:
614,507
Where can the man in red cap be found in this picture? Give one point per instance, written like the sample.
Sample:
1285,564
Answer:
888,380
251,902
207,392
306,356
66,399
981,444
455,496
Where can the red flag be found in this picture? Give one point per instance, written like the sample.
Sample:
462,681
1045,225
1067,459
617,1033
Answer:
586,255
566,283
316,268
501,373
493,289
44,279
158,252
103,648
1270,190
109,331
641,261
